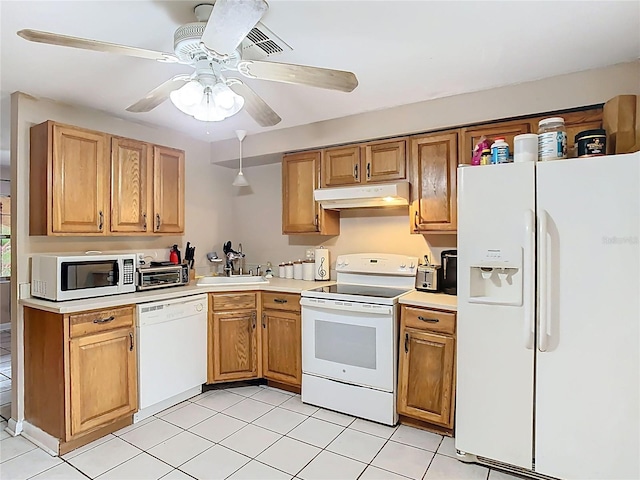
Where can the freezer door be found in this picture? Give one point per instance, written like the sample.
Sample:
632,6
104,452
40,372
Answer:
588,366
495,342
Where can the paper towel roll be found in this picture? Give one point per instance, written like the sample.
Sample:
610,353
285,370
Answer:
322,264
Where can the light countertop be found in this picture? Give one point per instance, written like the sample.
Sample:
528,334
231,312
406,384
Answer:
73,306
431,300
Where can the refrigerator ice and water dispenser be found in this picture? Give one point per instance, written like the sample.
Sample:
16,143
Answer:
496,276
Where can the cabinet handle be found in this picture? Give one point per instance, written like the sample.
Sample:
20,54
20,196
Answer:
355,171
415,221
253,320
315,222
264,320
406,343
101,220
280,300
428,320
144,218
157,221
368,171
104,320
130,342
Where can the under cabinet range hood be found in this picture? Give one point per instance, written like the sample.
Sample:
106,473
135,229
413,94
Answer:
360,196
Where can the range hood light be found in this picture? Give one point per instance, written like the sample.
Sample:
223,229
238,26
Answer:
377,195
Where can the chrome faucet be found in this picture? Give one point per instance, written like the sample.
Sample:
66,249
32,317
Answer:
232,256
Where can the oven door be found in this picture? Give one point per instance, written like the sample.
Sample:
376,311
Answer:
349,342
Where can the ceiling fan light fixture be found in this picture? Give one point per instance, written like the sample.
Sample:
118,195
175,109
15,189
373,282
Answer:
207,103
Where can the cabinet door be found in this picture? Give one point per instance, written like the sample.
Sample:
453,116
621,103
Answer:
300,212
103,381
426,376
80,181
507,130
385,161
130,185
341,166
168,190
234,346
433,183
281,347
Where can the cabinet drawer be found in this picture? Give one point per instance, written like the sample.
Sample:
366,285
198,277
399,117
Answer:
433,320
233,301
281,301
100,321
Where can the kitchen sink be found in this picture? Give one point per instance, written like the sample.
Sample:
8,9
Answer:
234,280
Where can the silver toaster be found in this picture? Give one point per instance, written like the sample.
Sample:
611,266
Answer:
427,278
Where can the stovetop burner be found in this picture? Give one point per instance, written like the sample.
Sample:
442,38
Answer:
361,290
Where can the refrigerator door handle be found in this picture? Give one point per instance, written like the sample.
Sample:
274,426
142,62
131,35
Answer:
543,284
529,288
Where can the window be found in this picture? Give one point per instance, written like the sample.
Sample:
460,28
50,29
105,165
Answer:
5,232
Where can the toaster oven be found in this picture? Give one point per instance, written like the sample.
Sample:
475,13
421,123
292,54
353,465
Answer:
153,277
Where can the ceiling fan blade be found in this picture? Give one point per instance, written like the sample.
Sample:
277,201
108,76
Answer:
87,44
230,22
254,104
159,94
299,74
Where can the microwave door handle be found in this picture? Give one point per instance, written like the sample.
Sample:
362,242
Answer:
444,267
116,272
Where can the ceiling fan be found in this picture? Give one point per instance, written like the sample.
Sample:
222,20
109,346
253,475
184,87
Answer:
211,47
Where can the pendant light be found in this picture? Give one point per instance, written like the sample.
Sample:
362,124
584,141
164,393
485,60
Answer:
240,180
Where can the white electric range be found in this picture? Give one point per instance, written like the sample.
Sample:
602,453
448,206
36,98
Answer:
350,336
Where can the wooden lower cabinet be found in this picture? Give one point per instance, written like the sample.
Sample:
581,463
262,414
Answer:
80,373
282,338
103,378
426,378
235,344
233,337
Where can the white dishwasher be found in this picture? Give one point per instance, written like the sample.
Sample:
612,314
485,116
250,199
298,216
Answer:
172,352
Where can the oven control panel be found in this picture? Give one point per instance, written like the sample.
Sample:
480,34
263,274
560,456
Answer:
382,264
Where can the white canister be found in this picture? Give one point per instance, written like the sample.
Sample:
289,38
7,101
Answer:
322,264
281,270
308,270
297,270
525,148
288,270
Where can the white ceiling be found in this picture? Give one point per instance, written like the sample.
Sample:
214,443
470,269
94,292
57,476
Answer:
401,51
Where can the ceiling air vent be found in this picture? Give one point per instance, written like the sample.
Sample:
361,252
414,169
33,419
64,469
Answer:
261,43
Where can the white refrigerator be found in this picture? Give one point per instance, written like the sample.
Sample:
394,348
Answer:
548,362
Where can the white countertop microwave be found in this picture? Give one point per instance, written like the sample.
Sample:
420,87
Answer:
72,277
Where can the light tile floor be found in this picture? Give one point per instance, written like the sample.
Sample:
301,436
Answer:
248,433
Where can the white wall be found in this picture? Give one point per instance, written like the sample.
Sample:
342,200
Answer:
208,187
258,214
555,93
5,174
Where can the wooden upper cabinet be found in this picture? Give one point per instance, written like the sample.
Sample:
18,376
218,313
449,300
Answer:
426,376
103,379
69,188
89,183
385,161
131,179
341,166
300,212
433,183
507,130
168,190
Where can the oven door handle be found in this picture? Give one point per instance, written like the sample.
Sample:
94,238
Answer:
326,304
